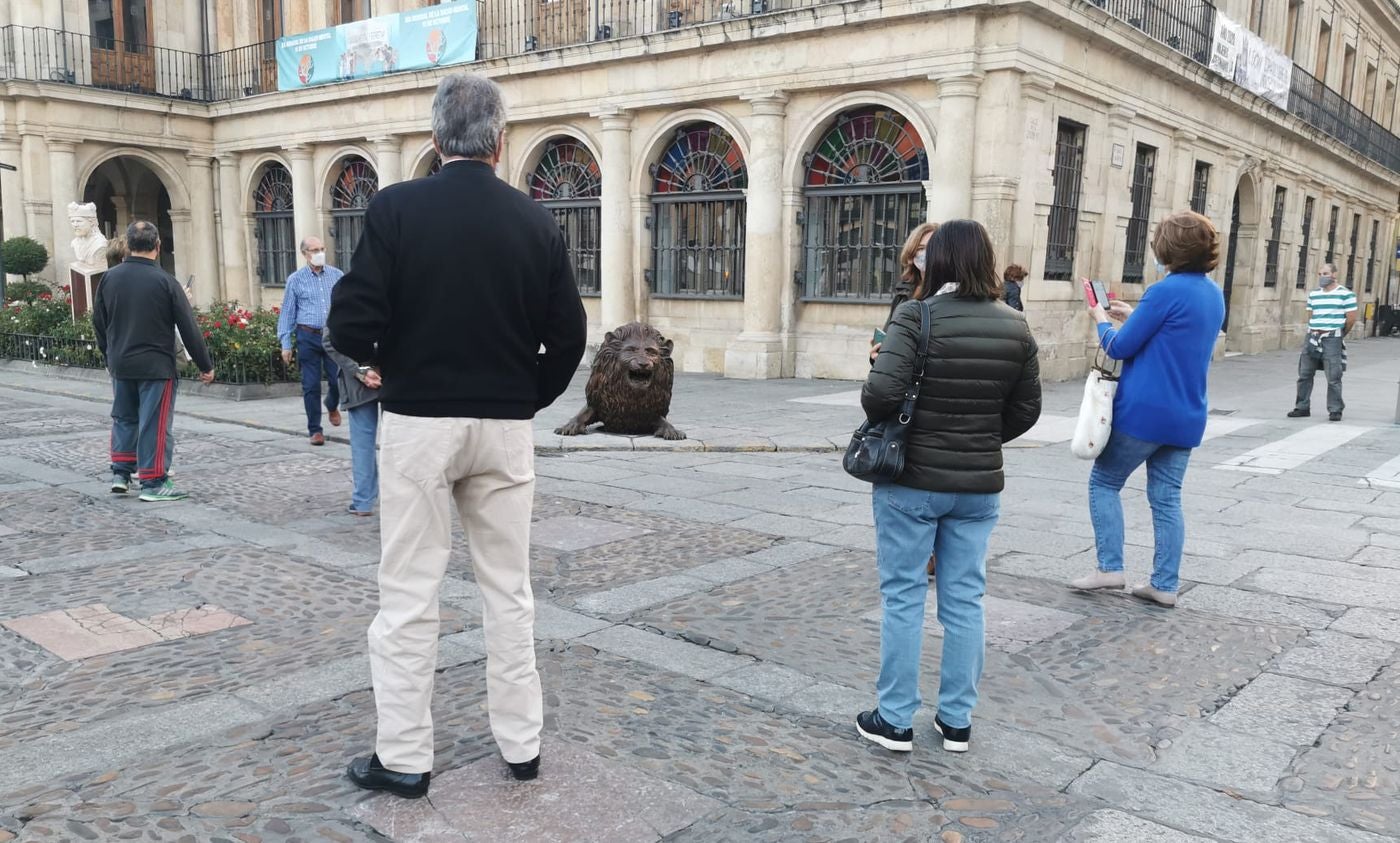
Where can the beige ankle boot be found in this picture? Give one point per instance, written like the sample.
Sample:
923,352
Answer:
1097,580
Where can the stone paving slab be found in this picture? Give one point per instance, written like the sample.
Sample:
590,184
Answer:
1221,758
579,798
1336,658
1117,827
1283,709
1374,623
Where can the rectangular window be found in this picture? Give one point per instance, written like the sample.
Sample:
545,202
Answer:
1291,39
1351,255
582,222
350,11
1371,258
1064,208
1348,73
1369,105
1199,187
277,247
1303,246
698,244
1144,167
1275,233
1324,51
1256,16
851,239
1332,235
1388,105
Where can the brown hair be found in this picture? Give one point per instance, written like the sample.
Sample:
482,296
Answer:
907,270
1014,272
961,253
1187,242
117,252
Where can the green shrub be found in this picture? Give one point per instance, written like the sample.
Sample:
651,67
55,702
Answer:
24,256
25,290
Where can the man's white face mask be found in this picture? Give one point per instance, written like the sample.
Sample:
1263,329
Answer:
318,258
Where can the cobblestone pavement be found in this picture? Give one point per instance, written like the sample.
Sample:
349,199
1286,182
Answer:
708,625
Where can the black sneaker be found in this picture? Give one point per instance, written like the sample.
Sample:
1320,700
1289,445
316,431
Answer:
873,728
1299,414
525,770
954,740
1334,416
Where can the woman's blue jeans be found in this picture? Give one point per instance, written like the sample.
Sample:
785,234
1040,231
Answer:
1166,470
909,524
364,462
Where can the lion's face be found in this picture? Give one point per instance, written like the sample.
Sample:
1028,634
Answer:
640,354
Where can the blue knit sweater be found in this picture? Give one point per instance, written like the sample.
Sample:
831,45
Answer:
1166,348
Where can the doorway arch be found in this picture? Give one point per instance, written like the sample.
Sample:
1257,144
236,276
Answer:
126,188
1239,279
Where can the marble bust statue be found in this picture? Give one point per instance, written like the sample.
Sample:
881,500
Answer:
89,246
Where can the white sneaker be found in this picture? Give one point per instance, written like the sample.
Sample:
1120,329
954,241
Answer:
1099,579
1152,595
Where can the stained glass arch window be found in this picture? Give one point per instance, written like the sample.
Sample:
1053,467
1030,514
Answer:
567,170
274,190
703,158
863,195
868,146
568,181
355,185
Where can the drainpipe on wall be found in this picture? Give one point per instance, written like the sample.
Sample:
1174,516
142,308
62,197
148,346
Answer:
204,49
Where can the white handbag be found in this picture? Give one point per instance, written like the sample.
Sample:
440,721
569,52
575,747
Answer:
1095,423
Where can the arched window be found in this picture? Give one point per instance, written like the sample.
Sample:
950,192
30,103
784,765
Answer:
354,186
273,226
568,182
435,166
864,193
697,215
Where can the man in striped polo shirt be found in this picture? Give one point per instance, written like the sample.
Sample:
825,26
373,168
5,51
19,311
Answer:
1331,313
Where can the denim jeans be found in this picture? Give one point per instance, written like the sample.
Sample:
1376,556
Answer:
1330,361
909,524
364,462
314,363
1166,469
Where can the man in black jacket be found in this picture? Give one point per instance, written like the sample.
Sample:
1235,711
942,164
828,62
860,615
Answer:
136,311
457,283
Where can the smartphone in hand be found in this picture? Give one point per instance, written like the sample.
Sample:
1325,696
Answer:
879,336
1097,294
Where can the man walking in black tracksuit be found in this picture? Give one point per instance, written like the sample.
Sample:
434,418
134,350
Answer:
135,312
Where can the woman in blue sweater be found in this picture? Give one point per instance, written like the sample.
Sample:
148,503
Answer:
1159,413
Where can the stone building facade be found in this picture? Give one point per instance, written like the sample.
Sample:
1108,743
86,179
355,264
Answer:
741,174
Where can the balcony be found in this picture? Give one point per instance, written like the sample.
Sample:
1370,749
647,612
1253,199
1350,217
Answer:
520,27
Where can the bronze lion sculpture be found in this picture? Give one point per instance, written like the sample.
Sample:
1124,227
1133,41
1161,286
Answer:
629,390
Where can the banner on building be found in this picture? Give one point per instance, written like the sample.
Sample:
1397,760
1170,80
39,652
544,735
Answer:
1250,62
414,40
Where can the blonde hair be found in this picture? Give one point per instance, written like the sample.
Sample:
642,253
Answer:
907,270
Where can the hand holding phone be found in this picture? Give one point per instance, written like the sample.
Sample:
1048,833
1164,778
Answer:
1096,294
878,338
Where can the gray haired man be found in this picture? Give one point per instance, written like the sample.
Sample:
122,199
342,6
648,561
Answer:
458,283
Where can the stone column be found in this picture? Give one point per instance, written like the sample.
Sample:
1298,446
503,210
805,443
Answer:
758,350
239,281
303,192
618,282
203,246
63,188
182,248
388,159
11,193
957,142
1117,190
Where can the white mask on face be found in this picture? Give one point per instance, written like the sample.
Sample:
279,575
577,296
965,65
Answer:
318,258
919,262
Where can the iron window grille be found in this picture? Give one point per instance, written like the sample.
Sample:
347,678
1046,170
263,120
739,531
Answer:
1371,261
698,216
1302,281
1199,187
1275,234
864,194
350,195
1064,207
1351,255
274,228
1135,255
569,182
1332,235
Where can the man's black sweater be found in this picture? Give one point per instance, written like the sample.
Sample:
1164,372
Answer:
135,312
457,283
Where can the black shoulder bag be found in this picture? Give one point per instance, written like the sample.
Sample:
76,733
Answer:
876,452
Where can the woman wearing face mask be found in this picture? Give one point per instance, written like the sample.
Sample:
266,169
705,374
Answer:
1159,412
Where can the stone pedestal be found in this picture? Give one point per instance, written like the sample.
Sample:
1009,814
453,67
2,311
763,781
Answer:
83,288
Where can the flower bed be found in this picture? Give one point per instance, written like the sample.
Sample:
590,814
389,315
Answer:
242,343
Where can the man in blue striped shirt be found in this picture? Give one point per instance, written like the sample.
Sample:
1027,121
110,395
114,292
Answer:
304,309
1331,313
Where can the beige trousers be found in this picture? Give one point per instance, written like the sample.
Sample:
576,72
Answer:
487,466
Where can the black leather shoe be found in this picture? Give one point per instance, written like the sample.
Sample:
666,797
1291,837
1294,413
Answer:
526,770
1299,414
369,774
